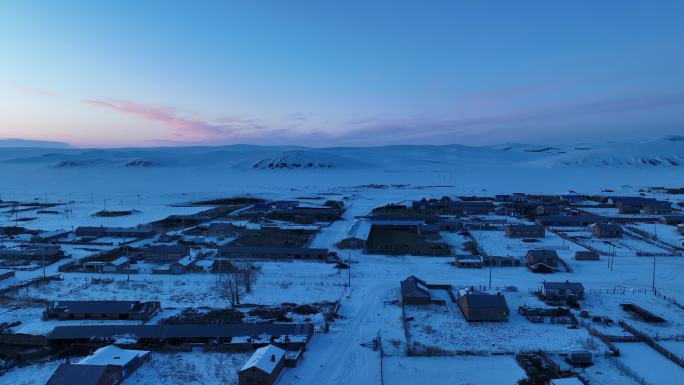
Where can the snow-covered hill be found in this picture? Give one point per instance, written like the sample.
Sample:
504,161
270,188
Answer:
504,167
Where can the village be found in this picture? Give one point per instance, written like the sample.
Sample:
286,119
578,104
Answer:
531,289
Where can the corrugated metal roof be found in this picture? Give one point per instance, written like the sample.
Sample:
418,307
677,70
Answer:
178,331
107,307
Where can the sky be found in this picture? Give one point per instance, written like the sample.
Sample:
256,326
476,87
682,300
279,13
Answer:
340,73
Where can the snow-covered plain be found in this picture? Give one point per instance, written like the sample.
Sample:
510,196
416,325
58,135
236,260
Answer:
155,181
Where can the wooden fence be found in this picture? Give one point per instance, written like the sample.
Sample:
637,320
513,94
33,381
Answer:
653,343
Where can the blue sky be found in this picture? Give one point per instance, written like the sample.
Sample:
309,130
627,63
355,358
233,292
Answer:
323,73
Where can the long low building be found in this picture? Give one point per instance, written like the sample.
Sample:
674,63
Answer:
286,334
111,310
116,232
566,220
273,252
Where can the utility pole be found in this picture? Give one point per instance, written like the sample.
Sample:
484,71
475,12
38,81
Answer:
349,270
490,275
653,278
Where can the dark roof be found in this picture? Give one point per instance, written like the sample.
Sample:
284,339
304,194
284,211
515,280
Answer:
613,227
271,250
631,200
178,331
566,218
108,307
542,253
525,227
563,285
585,252
166,249
658,205
485,300
414,287
71,374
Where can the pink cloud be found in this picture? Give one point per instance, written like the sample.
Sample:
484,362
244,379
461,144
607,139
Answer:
168,117
24,90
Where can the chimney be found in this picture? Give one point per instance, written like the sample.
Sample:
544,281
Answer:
272,357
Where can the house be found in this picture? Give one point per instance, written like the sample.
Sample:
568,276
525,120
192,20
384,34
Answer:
6,274
222,229
562,290
565,220
118,265
414,291
673,219
110,355
573,198
115,232
50,236
586,255
263,367
183,265
468,261
164,253
403,237
275,252
540,260
38,254
450,224
580,358
111,310
607,230
657,207
479,307
524,231
548,209
70,374
471,207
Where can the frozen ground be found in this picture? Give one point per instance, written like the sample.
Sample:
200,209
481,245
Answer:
649,364
370,307
462,370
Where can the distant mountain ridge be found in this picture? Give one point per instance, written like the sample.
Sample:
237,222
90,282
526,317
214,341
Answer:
29,143
661,152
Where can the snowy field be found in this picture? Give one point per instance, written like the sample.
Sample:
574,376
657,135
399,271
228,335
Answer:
370,307
444,327
493,370
649,364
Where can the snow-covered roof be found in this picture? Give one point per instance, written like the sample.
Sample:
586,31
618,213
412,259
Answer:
567,381
186,261
265,359
112,355
119,261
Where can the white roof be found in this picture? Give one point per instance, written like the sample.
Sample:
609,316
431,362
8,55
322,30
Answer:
112,355
119,261
261,359
186,261
567,381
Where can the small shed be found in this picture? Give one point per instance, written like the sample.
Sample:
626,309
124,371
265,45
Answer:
414,291
562,290
607,230
479,307
524,231
263,367
542,258
586,255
